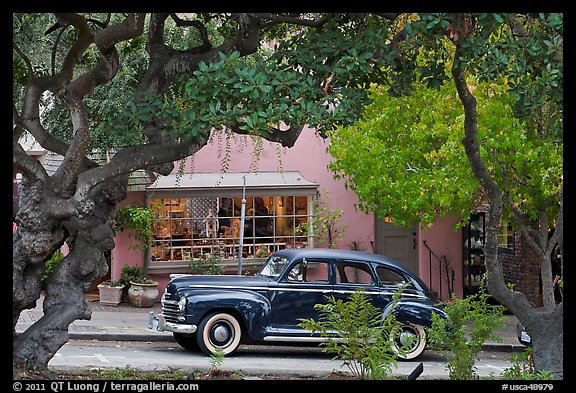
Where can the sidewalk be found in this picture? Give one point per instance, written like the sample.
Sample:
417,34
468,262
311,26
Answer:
128,323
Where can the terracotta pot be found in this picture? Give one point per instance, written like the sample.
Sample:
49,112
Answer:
142,295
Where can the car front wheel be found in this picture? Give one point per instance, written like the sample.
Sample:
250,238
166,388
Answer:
218,330
411,338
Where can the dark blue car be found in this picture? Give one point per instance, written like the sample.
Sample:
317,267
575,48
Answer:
210,312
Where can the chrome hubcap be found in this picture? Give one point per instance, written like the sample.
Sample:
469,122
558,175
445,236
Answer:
221,333
407,337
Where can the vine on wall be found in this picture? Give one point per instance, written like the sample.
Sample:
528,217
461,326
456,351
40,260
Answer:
138,219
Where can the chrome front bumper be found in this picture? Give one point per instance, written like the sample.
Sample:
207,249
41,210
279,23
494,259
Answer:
158,323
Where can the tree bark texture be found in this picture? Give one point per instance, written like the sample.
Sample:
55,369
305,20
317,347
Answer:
544,324
76,204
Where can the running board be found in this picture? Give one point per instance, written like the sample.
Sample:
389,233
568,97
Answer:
299,339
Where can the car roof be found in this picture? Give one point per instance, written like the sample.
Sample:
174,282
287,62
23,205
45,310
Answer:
293,253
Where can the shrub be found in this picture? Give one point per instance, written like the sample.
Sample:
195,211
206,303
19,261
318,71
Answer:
460,337
206,266
361,338
130,273
523,368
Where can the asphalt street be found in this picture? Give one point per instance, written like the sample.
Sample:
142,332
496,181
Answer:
119,337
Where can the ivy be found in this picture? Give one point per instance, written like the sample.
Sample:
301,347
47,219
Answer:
137,219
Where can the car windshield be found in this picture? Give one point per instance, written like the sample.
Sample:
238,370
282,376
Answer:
274,266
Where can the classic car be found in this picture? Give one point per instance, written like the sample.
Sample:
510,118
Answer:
210,312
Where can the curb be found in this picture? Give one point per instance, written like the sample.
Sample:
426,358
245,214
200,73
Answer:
147,337
121,337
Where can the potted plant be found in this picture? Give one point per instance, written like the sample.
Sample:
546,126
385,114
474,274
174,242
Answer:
142,291
110,292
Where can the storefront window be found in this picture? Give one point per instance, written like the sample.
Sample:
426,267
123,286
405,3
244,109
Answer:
197,227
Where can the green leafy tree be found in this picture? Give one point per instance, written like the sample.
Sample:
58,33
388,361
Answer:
410,165
507,73
114,93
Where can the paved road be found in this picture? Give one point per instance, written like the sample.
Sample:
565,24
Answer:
303,361
119,337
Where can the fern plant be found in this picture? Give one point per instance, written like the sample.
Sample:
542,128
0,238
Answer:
357,334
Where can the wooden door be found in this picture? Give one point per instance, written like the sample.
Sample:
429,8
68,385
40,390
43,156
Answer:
397,243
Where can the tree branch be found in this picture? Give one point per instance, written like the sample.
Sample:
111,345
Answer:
286,138
274,19
516,301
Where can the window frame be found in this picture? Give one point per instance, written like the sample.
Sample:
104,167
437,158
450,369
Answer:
283,195
512,235
369,271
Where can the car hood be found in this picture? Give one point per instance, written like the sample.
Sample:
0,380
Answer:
217,281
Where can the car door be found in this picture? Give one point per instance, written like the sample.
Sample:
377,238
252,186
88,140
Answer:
353,274
304,284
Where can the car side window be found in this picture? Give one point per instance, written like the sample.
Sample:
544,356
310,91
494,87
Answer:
309,271
388,276
350,272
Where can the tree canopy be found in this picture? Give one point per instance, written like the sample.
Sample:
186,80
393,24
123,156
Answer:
405,159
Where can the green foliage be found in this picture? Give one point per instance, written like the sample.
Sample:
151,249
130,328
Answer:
460,337
357,334
124,374
216,359
209,265
405,159
51,264
138,219
113,283
325,226
523,368
134,274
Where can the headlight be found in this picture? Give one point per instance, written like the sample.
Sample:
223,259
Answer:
182,304
182,309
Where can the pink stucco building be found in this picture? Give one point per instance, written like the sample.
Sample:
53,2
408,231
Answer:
198,214
289,181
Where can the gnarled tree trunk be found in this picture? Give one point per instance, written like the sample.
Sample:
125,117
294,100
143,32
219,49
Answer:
89,235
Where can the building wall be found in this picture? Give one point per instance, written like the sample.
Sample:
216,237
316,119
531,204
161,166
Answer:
443,240
126,252
523,270
310,158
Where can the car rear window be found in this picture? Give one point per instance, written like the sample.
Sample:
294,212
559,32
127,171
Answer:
388,276
351,272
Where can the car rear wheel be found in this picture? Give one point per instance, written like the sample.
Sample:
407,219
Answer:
186,341
218,330
411,338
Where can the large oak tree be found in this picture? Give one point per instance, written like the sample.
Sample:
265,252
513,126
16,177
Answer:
147,90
